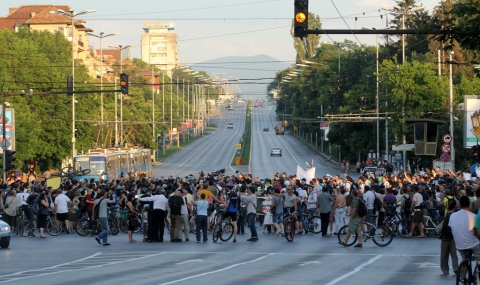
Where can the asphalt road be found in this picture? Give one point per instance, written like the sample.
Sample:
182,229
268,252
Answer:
309,259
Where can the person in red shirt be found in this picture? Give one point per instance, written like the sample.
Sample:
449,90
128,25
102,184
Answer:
90,200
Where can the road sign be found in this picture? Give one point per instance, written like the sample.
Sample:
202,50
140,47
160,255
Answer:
445,157
446,148
474,168
238,146
5,144
398,157
324,125
238,152
447,138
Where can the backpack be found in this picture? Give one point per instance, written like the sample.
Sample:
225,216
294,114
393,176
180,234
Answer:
176,205
390,208
362,209
407,204
82,205
233,205
259,206
96,209
377,204
31,199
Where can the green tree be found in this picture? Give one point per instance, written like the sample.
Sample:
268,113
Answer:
306,47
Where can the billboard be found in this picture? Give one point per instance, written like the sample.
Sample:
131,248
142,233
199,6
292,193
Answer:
9,128
471,104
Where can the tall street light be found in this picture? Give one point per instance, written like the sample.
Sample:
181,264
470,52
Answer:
403,11
101,35
71,13
120,48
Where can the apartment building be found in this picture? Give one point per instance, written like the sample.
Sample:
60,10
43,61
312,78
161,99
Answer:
159,45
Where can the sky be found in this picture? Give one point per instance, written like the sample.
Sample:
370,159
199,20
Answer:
211,29
202,27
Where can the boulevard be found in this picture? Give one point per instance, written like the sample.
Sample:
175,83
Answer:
309,259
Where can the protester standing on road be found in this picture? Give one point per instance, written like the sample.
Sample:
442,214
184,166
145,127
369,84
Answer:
250,199
102,203
277,217
201,218
132,213
31,209
231,207
41,218
355,221
417,209
11,209
185,213
175,203
464,225
158,215
340,209
448,246
358,165
61,208
324,202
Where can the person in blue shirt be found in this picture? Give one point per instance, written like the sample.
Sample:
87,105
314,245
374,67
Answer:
201,220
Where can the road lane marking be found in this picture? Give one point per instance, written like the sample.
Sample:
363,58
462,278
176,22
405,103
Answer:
355,270
427,265
66,267
216,271
308,262
189,261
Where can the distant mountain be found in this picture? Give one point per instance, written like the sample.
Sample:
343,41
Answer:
247,69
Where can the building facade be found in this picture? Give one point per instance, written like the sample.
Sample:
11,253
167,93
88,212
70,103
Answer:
159,45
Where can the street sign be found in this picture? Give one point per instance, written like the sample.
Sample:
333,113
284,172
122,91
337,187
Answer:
5,144
446,148
238,152
238,146
398,157
324,125
474,168
447,138
445,157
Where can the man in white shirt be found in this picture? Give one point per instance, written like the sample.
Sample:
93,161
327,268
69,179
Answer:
369,198
61,208
159,212
417,210
462,224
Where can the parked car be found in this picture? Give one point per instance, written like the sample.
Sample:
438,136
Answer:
265,129
275,151
5,234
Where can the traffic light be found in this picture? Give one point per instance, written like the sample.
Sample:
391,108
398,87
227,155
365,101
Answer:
9,159
124,83
301,19
69,85
476,153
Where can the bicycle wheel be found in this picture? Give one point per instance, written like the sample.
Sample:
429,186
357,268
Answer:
23,228
216,232
168,225
193,225
227,232
124,225
314,225
112,227
382,236
351,240
403,227
289,230
432,232
54,227
462,275
80,227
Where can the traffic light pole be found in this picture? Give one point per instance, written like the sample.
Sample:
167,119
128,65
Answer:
4,117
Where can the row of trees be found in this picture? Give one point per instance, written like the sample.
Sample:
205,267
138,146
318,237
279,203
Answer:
41,61
348,86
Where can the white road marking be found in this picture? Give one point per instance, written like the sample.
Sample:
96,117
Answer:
427,265
216,271
66,267
355,270
308,262
189,261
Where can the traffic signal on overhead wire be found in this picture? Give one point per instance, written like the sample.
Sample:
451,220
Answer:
124,83
300,25
9,159
476,153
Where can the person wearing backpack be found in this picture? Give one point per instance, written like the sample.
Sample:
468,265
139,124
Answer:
175,202
232,208
390,205
355,220
100,212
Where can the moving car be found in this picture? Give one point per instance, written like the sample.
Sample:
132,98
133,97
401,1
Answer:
265,129
256,105
5,234
229,125
275,151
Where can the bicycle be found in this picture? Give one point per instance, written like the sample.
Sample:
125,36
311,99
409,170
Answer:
289,220
467,270
82,227
381,236
313,223
404,226
221,229
54,227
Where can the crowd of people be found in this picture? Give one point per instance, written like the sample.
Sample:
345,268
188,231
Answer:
335,199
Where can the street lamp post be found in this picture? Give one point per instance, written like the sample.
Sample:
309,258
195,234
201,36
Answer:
101,35
71,13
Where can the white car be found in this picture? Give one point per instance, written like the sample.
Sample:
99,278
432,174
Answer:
275,151
5,234
229,125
